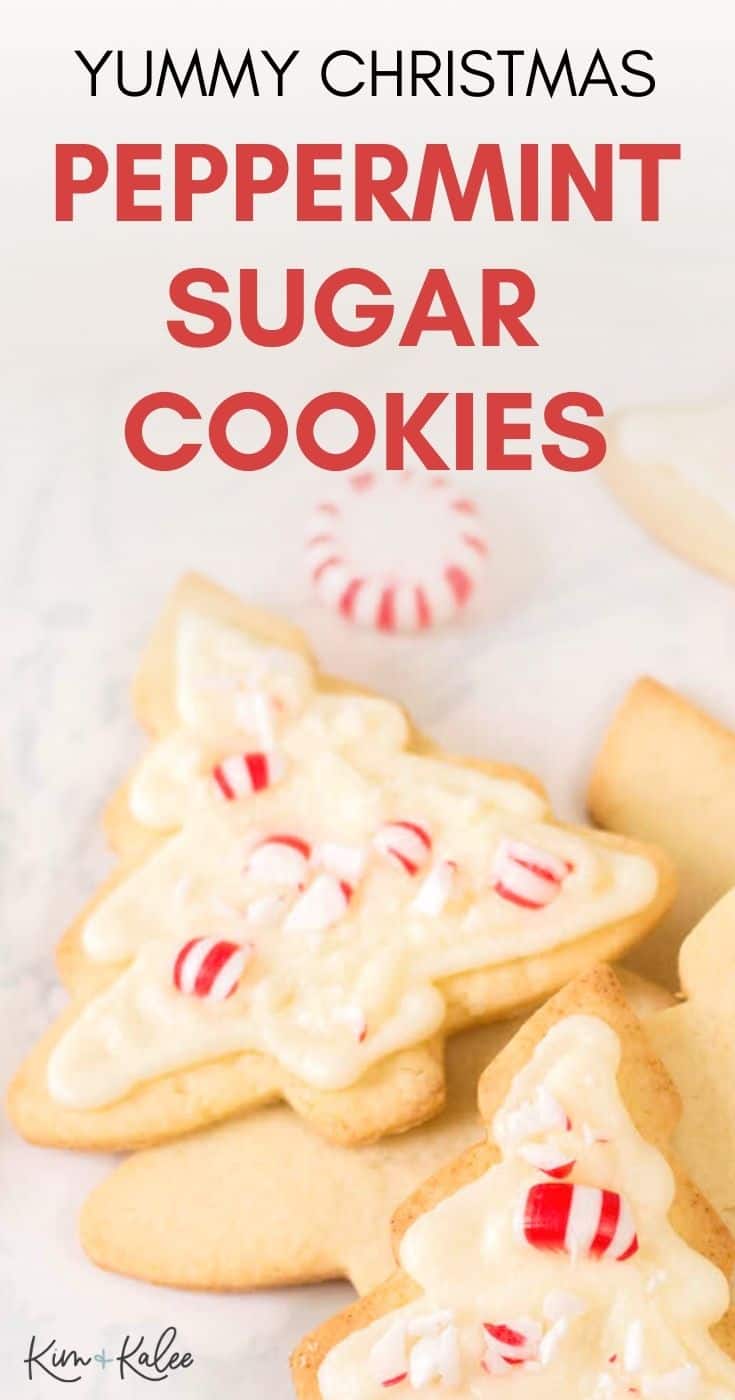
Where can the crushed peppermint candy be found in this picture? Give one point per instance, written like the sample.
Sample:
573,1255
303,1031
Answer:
279,859
321,905
406,844
548,1159
344,861
435,891
541,1114
436,1357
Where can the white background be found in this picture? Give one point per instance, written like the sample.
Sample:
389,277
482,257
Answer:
577,602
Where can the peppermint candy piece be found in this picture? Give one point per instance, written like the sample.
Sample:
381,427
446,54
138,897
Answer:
388,1358
357,555
407,844
527,875
436,1357
548,1159
324,903
436,889
242,774
509,1344
578,1220
281,859
541,1114
211,968
346,862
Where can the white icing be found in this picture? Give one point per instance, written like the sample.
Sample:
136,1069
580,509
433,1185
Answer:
697,443
572,1316
339,978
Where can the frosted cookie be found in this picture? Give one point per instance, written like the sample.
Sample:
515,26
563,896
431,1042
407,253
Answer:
674,469
696,1042
666,773
566,1255
323,900
266,1197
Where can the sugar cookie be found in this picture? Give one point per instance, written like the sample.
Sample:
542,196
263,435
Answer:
614,1279
666,773
338,992
674,469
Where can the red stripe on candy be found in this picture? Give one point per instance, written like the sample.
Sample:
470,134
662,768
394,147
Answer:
545,1215
326,564
514,898
257,766
181,959
386,614
607,1224
423,611
460,583
222,783
541,870
349,597
294,842
417,831
213,963
502,1333
474,542
363,481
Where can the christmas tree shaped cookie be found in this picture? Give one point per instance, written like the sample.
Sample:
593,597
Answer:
311,898
566,1256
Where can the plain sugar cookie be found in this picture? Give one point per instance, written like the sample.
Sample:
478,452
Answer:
666,773
674,470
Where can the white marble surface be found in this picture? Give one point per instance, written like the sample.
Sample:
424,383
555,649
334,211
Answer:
577,601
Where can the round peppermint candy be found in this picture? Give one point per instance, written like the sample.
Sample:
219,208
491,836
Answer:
210,968
398,551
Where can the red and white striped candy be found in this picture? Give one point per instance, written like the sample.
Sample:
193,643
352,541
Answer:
527,875
578,1220
242,774
324,903
435,891
510,1344
398,552
548,1159
389,1358
210,967
406,844
541,1114
280,859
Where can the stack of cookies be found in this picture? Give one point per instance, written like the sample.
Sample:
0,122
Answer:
321,934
